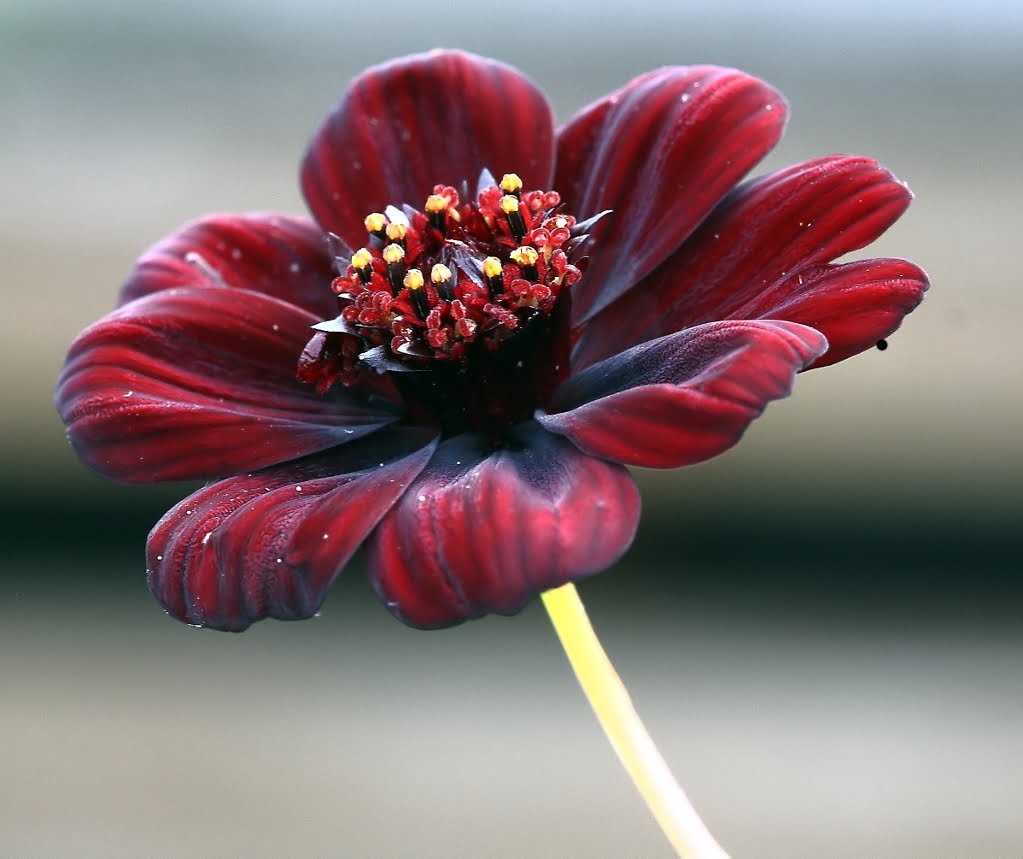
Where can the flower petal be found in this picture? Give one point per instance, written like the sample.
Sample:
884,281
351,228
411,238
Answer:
200,382
278,255
660,153
854,305
407,125
271,543
682,398
484,530
763,233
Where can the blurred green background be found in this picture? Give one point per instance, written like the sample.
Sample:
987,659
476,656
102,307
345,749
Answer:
822,627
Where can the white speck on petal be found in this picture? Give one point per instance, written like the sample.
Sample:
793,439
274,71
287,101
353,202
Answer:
159,557
206,538
298,488
280,560
422,498
128,393
294,268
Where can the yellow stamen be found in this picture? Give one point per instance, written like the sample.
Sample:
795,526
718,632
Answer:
393,254
420,300
440,273
511,184
492,267
375,223
525,256
436,203
629,738
509,204
396,232
362,258
413,279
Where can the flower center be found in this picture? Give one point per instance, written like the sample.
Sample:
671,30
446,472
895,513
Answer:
455,301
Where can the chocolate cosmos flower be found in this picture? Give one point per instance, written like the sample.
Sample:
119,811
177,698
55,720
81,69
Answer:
456,374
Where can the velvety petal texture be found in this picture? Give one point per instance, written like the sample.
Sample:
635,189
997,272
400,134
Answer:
278,255
853,305
765,232
407,125
271,543
685,397
484,530
200,382
660,153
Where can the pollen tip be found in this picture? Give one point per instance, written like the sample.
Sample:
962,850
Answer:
440,273
375,222
396,232
362,258
436,203
511,183
525,255
413,279
492,267
509,204
393,254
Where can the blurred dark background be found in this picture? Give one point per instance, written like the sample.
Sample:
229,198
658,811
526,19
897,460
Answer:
822,627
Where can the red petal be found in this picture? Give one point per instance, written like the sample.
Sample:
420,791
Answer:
683,398
270,544
407,125
767,230
660,153
199,382
853,305
277,255
483,531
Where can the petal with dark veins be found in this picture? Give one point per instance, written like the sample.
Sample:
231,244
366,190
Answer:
484,530
660,153
200,382
685,397
853,305
271,543
410,124
764,233
278,255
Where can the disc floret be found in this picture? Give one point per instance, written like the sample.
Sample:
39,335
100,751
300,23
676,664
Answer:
437,285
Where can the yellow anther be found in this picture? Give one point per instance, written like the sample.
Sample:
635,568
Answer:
393,254
375,222
436,203
511,183
396,232
492,267
413,279
362,258
525,255
509,204
440,273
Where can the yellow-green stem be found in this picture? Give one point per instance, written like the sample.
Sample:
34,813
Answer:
637,752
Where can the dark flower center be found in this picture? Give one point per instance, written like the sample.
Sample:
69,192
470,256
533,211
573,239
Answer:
459,303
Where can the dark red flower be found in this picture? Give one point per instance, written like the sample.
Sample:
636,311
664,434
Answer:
457,373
